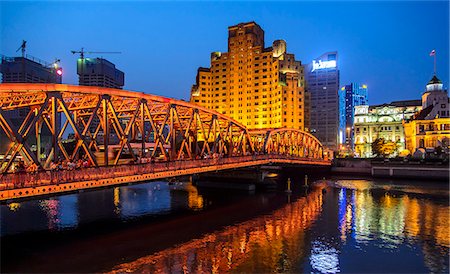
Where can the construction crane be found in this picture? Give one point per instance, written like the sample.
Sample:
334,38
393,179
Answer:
82,52
23,46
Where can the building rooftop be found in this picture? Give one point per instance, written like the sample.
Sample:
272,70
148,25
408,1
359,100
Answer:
204,69
423,113
243,24
434,80
405,103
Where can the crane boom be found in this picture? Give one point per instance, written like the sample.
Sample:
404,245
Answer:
82,52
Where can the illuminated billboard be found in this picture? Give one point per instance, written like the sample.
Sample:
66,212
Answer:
323,64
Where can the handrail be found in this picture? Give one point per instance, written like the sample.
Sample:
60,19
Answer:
47,177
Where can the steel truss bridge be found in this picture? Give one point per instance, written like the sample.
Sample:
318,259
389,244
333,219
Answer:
113,128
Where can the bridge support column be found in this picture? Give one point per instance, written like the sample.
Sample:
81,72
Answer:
244,179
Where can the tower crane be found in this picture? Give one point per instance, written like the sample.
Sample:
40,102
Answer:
82,52
22,47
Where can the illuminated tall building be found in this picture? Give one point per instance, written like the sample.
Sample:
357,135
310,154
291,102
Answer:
322,80
259,87
99,72
350,96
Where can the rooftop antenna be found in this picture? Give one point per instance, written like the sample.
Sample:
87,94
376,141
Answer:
23,46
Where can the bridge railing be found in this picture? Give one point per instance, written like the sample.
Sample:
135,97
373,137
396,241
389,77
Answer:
44,178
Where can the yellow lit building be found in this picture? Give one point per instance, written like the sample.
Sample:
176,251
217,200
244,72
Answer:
427,134
430,128
257,86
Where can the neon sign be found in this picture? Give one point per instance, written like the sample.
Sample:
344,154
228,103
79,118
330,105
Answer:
323,64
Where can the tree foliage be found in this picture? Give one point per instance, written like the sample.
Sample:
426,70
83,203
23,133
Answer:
383,148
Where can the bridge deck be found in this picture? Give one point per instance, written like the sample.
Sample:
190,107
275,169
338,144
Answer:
16,186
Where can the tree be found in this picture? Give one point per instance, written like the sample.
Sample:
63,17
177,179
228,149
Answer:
381,148
389,148
377,147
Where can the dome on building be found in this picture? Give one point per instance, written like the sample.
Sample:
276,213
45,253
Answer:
434,80
434,85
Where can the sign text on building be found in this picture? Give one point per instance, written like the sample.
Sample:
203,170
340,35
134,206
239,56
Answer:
323,64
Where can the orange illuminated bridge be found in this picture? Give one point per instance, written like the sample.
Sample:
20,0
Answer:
56,138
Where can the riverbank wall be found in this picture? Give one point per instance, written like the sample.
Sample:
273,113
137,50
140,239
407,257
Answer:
392,169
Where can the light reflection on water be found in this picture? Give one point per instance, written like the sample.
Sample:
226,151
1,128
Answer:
121,203
385,228
268,243
352,226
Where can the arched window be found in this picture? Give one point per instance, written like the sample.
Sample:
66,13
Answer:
421,143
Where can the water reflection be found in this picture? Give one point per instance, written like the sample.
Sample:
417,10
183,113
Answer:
349,226
357,226
389,221
272,243
124,203
138,201
392,218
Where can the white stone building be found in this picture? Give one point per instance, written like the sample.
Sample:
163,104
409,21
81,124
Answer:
382,121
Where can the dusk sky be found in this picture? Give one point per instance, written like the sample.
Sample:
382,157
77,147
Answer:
385,45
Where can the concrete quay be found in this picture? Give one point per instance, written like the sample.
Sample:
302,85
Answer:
392,169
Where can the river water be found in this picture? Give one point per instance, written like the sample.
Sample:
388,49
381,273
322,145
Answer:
339,225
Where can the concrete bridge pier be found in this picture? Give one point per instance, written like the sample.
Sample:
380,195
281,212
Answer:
247,179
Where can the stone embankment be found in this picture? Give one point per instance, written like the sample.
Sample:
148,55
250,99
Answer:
436,170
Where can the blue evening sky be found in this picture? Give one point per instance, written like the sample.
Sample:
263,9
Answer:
385,44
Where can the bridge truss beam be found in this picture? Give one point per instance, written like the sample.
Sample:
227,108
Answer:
112,127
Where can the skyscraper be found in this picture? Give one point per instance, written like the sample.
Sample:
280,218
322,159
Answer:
350,96
259,87
322,83
99,72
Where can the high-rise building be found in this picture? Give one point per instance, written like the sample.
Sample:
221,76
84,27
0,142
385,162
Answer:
99,72
259,87
322,81
27,69
307,110
350,96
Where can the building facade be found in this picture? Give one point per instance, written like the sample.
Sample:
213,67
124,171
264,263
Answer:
322,81
430,128
382,121
28,69
99,72
259,87
350,96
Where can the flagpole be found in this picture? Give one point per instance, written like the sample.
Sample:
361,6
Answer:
434,63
